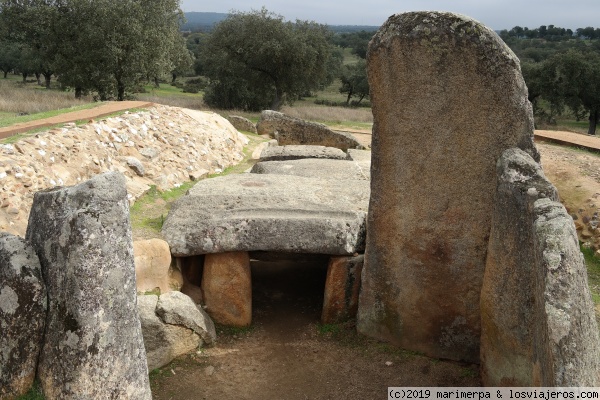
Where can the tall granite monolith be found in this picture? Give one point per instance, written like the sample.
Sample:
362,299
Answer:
22,315
537,317
93,346
448,98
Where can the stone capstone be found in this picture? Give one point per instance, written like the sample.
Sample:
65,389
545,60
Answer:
315,168
538,326
93,346
281,213
153,267
295,131
283,153
227,288
432,184
23,304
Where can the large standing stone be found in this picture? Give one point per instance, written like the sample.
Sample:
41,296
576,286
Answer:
538,326
227,288
448,98
22,315
93,345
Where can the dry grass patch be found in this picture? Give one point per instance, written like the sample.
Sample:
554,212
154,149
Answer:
192,102
17,98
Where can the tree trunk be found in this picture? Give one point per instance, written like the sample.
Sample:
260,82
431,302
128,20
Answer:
349,97
5,74
37,76
174,77
156,83
278,100
25,77
47,78
120,91
78,92
594,117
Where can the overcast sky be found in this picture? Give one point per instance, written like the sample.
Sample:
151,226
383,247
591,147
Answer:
497,14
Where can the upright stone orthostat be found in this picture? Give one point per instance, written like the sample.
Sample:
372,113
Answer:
93,346
22,315
538,325
448,98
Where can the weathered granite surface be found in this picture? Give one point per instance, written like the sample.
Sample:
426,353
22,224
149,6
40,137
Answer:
267,212
23,305
538,324
291,152
321,168
163,341
93,346
295,131
432,183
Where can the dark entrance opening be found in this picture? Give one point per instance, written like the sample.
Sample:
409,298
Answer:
287,292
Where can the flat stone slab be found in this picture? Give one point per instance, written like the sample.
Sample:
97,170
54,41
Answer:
326,169
269,212
297,152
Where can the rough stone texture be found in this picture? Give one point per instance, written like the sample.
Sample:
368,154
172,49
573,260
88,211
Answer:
326,169
227,288
433,182
295,131
176,308
170,144
283,153
163,342
280,213
342,287
23,304
93,345
153,267
538,326
242,124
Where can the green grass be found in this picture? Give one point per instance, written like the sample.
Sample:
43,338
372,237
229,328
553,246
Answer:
35,393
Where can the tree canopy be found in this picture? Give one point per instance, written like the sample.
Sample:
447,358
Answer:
104,46
256,60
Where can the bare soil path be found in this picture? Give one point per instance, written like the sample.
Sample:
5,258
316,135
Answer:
102,110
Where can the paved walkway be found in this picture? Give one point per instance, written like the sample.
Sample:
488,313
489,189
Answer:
102,110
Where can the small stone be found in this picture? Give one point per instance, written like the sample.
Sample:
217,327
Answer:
389,363
209,370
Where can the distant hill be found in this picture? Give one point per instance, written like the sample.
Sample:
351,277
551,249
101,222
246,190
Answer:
205,21
202,21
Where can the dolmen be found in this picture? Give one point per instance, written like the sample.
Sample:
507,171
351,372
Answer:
311,205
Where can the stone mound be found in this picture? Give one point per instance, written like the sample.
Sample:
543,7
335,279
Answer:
297,152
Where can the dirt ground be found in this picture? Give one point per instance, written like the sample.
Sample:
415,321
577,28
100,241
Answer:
288,355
